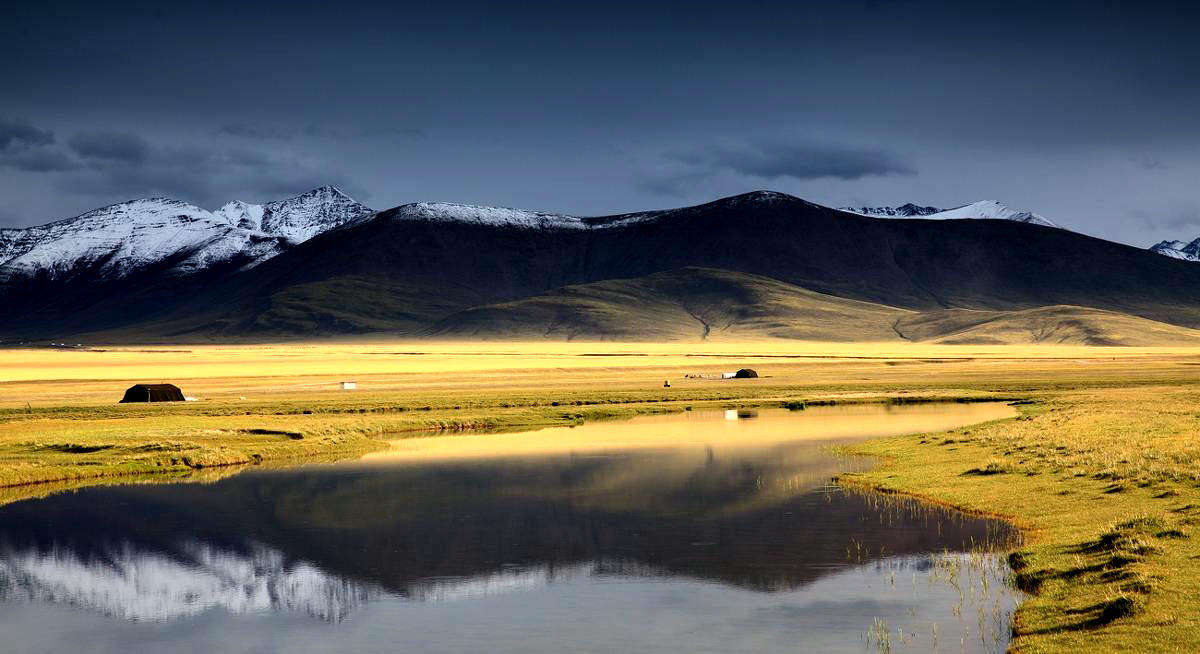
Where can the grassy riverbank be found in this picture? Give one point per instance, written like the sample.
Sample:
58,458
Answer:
1102,470
1106,485
82,443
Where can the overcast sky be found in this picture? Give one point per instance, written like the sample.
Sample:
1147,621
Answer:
1085,112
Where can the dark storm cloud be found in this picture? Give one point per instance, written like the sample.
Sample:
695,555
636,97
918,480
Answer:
111,146
772,161
18,135
677,183
27,148
124,165
769,162
40,160
1082,111
110,165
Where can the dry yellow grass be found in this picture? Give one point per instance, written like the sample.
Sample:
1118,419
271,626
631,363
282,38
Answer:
1102,471
55,377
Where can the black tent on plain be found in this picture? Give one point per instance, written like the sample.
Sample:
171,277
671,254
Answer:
153,393
745,373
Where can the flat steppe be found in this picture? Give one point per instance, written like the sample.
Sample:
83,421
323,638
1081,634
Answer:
1101,469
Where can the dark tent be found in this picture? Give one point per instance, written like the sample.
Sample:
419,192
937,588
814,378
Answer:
153,393
745,373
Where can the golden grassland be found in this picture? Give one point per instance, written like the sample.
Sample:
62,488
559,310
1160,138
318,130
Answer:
1102,469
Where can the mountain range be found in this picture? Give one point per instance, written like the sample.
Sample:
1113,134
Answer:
992,210
985,209
118,240
757,265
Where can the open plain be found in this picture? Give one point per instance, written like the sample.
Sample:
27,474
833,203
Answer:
1101,469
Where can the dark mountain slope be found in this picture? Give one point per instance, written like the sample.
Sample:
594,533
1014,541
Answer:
407,268
386,274
687,304
915,264
700,303
86,299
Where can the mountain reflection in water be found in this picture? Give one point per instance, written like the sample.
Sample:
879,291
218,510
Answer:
324,540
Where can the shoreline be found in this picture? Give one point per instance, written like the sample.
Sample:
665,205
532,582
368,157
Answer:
1107,564
99,463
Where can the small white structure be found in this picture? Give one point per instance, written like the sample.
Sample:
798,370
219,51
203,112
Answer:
728,375
349,386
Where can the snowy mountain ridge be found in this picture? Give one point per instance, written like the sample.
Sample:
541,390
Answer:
304,216
982,210
909,210
1178,249
116,240
527,219
515,218
990,209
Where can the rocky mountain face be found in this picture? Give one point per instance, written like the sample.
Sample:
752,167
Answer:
1178,249
171,236
909,210
304,216
115,241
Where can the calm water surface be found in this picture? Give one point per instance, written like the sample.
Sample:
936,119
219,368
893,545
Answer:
696,532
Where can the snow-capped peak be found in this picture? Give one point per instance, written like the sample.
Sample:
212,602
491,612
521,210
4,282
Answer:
113,241
908,210
306,215
1178,249
984,209
992,210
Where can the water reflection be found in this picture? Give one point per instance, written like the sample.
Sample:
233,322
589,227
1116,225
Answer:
727,428
746,515
141,584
